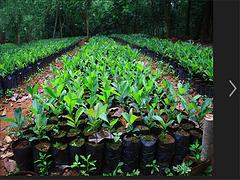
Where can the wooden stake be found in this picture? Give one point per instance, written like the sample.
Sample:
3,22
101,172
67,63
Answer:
207,138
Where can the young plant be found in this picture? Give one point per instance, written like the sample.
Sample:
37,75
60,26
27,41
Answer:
195,112
117,171
33,90
92,99
155,168
96,116
110,124
139,97
74,122
84,164
164,125
44,163
17,123
40,120
130,118
91,82
122,91
195,150
117,137
184,168
135,172
107,90
168,172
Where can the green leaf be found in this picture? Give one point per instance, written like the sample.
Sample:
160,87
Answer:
79,113
91,112
50,92
7,119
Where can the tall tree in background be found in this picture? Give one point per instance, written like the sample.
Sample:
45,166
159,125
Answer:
187,32
167,15
205,32
26,20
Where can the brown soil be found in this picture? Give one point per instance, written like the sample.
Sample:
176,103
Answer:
73,133
60,135
182,132
77,142
149,138
114,145
22,144
68,172
187,126
142,128
174,126
133,139
196,133
43,146
166,139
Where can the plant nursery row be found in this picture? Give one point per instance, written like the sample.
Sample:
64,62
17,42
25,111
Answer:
18,62
190,61
105,113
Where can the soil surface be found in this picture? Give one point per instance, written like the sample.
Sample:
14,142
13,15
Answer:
22,144
43,146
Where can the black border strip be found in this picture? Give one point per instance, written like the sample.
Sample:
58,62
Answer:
226,109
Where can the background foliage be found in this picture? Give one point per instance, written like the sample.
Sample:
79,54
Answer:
25,20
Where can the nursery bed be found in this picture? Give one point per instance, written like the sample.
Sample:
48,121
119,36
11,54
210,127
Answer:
203,86
105,105
12,80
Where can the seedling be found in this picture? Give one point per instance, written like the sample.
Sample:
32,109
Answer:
17,123
97,115
117,171
184,168
84,164
155,168
44,164
130,119
135,172
195,150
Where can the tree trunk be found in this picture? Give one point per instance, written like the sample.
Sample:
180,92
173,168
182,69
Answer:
167,15
206,21
2,37
87,25
56,20
61,26
187,32
207,139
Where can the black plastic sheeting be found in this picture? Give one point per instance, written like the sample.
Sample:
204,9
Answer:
112,154
96,152
131,154
147,154
182,148
23,156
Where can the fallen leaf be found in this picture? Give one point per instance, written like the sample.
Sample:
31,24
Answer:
4,112
14,97
99,136
10,165
124,122
8,139
4,147
7,155
118,111
24,98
